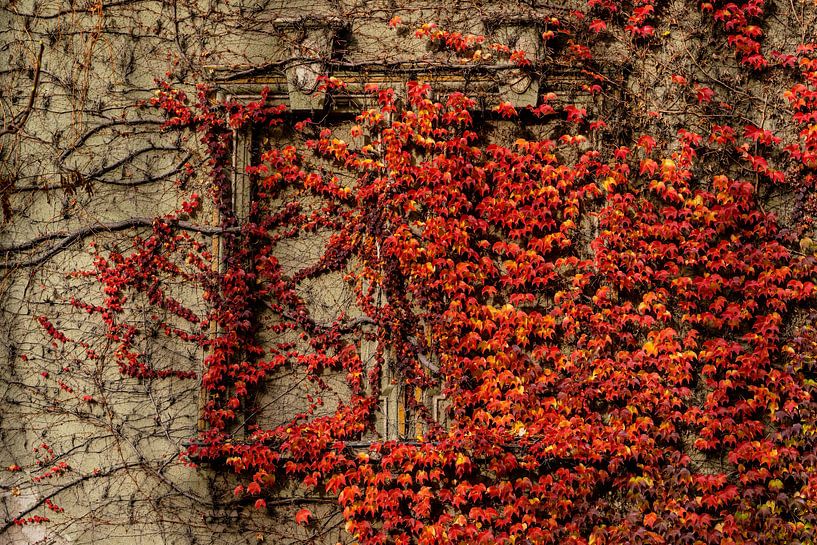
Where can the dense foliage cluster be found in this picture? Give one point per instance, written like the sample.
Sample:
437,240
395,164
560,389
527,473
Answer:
624,337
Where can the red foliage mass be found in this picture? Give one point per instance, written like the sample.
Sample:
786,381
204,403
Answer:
600,325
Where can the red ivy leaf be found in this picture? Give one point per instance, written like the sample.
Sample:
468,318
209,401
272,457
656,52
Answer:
302,516
506,110
704,94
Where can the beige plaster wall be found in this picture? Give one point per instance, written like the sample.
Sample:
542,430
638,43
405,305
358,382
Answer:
89,155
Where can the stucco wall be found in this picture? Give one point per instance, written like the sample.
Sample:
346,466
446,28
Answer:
90,155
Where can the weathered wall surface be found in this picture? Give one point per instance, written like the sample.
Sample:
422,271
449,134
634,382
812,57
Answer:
81,161
79,153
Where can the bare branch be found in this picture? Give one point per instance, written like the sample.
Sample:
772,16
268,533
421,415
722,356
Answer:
67,238
21,118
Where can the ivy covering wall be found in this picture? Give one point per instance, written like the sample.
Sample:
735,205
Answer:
587,227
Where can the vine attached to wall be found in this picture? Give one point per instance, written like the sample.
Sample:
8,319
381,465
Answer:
625,342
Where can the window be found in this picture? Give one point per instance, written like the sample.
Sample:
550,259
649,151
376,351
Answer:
328,296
